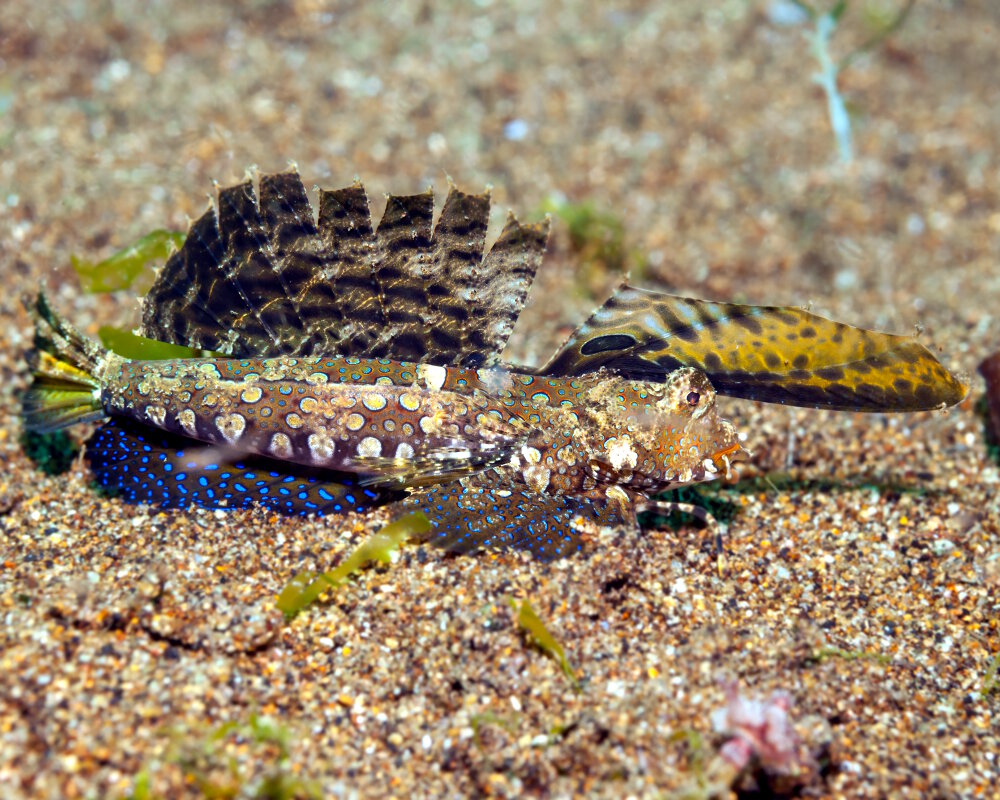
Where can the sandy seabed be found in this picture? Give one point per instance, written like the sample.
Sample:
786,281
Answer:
863,550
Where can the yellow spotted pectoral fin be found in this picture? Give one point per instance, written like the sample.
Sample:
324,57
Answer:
771,353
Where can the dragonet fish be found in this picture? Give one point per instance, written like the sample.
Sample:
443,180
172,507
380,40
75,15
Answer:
354,367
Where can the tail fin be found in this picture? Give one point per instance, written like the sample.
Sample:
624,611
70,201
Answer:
66,389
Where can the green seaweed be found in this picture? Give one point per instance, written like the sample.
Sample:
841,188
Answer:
531,624
52,453
119,272
131,345
201,758
824,653
596,239
599,234
695,744
305,588
141,788
122,269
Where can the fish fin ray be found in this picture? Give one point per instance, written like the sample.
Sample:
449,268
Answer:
504,280
262,278
770,353
65,388
493,512
435,465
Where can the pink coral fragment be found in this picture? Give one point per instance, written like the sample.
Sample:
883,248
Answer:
759,728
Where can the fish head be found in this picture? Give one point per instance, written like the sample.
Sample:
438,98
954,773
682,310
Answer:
659,435
694,443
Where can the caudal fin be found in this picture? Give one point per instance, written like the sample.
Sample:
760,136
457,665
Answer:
65,389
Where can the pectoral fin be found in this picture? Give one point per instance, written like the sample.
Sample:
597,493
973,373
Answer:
437,464
488,512
146,465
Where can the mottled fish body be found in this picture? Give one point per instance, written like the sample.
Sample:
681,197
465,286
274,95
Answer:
408,424
335,413
363,366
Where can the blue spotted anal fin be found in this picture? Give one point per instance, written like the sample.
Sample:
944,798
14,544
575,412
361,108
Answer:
144,465
486,512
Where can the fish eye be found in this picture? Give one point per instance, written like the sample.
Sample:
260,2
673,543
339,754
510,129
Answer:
693,398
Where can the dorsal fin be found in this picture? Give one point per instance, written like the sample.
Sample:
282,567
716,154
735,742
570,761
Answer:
251,270
346,230
450,270
179,308
456,255
770,353
502,282
402,241
297,250
266,280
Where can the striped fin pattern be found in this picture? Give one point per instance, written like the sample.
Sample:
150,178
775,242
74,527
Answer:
402,241
263,279
501,283
354,317
769,353
300,258
452,270
145,465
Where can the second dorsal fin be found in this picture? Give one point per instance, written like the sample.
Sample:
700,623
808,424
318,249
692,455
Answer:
777,354
264,279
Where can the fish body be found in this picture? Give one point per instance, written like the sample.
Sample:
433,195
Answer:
356,367
406,424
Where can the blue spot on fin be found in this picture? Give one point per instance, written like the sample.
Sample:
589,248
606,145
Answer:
486,513
120,447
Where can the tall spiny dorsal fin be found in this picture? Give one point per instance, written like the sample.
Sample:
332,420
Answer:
180,307
447,272
504,278
402,241
346,231
264,279
297,253
251,271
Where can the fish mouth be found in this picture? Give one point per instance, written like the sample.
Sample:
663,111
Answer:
721,462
